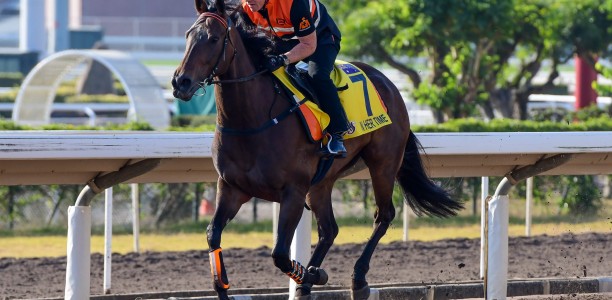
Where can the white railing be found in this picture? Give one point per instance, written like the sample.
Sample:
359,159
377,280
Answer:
103,159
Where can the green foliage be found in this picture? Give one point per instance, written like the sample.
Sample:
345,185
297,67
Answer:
603,90
193,123
193,120
510,125
586,114
9,96
107,98
66,93
468,46
582,196
10,125
13,79
132,126
589,29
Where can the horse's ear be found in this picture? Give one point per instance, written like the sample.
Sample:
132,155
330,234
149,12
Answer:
220,4
200,6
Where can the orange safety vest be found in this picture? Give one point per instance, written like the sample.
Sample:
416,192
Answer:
279,12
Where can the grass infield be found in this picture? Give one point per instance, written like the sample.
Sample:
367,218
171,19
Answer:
55,245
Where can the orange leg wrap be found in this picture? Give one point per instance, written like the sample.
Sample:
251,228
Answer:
217,269
297,273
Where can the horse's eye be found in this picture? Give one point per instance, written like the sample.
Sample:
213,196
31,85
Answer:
214,39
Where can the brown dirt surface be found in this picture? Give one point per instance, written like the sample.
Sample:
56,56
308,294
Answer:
564,256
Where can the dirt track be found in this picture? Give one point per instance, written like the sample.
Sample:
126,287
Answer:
566,256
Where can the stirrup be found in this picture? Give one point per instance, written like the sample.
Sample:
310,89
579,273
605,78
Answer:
326,150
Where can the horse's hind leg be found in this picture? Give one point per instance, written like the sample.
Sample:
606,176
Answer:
383,174
229,201
319,200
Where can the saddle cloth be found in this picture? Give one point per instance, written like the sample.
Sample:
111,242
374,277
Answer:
363,106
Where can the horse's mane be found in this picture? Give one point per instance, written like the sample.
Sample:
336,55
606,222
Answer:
258,42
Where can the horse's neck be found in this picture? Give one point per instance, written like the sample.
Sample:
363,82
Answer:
245,104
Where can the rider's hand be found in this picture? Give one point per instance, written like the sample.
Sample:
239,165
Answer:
273,62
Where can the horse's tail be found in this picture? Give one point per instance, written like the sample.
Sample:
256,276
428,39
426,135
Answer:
422,194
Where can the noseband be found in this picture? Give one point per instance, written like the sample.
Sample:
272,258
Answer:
228,26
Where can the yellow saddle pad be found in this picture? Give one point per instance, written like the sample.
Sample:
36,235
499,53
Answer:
365,110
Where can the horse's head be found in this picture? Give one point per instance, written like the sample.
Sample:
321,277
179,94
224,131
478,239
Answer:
208,51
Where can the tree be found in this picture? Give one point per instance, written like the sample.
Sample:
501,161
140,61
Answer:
470,47
173,202
551,32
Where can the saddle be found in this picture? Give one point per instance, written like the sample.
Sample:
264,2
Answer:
365,110
298,75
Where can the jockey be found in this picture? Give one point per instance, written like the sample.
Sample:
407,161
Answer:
307,33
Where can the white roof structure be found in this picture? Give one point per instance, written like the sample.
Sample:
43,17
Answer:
35,97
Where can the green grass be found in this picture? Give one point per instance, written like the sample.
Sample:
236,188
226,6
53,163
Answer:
52,242
356,229
160,62
195,239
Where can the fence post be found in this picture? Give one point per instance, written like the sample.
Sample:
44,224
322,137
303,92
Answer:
300,245
78,253
528,204
108,238
484,193
136,216
406,218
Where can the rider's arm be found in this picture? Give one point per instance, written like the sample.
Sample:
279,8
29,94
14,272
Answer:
305,48
304,27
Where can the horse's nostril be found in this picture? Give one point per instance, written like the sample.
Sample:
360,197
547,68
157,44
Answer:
186,83
181,83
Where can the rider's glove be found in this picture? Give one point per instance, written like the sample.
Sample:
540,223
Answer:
273,62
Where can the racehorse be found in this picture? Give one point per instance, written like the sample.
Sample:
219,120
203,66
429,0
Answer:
259,154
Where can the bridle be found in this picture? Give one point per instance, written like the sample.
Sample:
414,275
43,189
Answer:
209,80
228,26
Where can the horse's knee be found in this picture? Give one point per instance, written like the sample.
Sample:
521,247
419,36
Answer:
391,214
282,261
335,230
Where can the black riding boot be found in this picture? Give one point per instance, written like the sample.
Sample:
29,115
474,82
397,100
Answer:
335,145
320,66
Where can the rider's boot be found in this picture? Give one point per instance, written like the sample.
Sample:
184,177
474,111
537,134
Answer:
335,145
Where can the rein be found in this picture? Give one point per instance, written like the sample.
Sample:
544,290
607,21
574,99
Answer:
209,80
238,80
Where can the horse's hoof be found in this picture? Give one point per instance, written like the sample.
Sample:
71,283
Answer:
322,277
222,295
361,294
302,291
319,274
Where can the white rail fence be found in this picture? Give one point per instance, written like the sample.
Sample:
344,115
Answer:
103,159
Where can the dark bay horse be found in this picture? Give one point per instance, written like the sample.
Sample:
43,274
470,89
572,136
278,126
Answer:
277,162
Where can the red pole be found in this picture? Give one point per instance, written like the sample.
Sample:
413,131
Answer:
585,76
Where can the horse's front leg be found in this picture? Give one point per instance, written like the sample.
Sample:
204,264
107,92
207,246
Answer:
291,208
320,203
229,200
